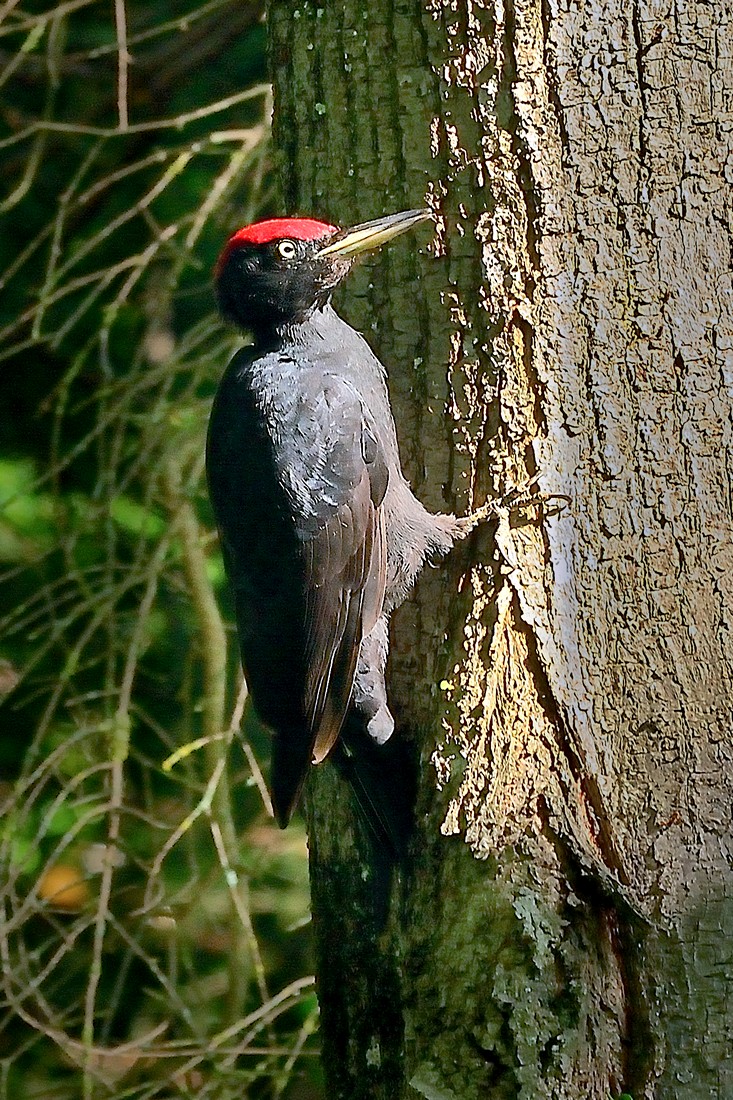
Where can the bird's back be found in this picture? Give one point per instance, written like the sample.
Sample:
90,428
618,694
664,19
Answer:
259,543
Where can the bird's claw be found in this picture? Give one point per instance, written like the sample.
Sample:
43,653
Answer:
519,497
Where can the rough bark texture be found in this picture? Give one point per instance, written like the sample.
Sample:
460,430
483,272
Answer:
564,926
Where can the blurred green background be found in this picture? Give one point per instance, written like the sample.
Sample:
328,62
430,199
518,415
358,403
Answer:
154,935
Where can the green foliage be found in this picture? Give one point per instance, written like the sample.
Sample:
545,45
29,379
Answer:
153,933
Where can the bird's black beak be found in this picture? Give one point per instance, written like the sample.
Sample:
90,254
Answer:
369,235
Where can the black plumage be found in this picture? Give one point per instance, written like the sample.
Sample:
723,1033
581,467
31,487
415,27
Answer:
322,536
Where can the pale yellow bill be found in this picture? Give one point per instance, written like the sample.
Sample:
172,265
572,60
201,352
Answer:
373,234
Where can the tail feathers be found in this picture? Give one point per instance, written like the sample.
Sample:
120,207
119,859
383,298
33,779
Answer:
291,759
382,779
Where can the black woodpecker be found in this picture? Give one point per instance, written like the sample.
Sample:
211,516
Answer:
321,534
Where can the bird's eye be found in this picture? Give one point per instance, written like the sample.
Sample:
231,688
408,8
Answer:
286,249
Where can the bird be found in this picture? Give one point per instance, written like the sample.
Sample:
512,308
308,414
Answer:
321,534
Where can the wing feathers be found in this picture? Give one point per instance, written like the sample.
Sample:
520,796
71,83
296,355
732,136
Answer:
346,576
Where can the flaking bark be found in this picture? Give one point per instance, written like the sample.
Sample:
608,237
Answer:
563,927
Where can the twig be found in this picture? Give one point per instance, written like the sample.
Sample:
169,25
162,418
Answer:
239,894
55,49
6,9
123,61
176,123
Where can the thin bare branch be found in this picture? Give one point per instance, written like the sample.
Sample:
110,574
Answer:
177,123
123,62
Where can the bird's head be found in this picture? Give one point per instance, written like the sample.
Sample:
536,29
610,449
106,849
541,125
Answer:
276,271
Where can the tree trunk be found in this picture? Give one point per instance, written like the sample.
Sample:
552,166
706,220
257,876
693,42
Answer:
564,925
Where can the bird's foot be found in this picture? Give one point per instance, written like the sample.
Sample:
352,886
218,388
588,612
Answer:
516,499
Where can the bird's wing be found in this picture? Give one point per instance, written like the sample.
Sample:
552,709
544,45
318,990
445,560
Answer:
345,580
297,477
338,482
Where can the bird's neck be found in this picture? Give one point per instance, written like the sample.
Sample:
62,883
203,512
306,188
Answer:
319,322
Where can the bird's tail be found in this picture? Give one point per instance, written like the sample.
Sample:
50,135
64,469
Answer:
291,758
382,778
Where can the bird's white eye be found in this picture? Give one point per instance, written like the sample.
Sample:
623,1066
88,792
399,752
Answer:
286,249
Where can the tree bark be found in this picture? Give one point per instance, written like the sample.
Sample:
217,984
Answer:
563,926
